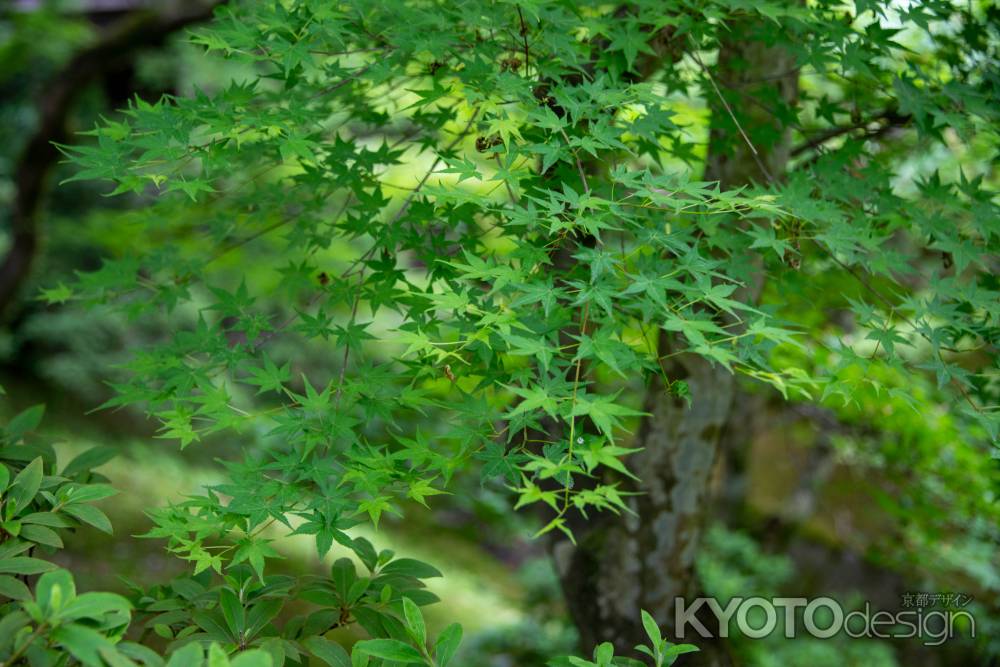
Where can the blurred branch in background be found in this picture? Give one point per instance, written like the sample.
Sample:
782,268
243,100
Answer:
136,30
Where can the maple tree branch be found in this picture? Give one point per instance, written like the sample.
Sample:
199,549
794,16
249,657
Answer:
888,119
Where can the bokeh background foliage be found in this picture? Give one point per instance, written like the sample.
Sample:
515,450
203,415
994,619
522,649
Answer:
419,264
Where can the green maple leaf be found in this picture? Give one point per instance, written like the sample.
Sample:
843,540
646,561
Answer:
604,412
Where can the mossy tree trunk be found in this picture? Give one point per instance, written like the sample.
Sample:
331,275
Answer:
646,561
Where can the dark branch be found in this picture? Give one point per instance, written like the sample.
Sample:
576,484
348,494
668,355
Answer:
886,120
132,33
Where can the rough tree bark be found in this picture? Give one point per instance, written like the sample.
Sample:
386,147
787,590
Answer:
626,563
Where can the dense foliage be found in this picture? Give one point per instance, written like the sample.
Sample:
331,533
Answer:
199,620
504,312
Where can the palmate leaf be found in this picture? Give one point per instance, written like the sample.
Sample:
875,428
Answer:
270,377
255,552
604,412
597,453
533,399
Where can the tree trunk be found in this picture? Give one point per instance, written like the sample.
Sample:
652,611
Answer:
626,563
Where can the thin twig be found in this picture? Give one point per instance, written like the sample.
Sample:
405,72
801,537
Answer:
437,161
753,150
579,164
343,82
524,36
347,348
576,387
510,190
